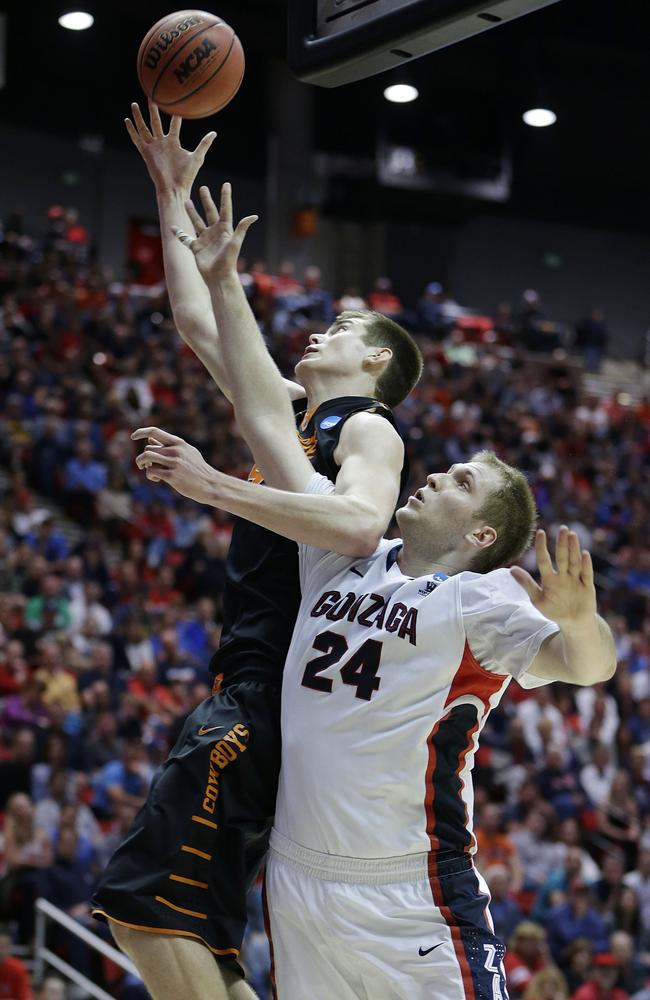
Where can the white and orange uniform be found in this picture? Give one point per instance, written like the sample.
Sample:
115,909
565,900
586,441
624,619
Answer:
387,686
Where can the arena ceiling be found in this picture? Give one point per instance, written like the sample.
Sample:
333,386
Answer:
590,60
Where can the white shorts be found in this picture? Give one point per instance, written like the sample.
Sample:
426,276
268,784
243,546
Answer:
405,928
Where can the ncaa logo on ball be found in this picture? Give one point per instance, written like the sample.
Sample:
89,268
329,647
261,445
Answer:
329,422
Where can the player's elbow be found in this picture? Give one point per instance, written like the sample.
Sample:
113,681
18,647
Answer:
367,538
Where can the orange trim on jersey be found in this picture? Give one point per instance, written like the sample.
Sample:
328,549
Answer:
307,417
472,678
206,822
456,937
188,881
181,909
168,930
199,854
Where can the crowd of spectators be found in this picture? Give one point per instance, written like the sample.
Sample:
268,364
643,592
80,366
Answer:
109,614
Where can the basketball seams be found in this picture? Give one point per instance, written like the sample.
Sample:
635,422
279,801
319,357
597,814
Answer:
213,111
171,104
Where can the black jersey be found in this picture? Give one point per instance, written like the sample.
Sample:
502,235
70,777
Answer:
262,591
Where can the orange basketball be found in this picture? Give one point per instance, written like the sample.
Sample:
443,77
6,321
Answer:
191,63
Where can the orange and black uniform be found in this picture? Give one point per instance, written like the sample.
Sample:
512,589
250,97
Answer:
197,843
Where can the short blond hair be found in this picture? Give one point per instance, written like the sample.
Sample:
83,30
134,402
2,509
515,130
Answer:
510,509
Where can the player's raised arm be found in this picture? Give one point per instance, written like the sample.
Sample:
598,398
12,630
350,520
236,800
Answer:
258,390
350,523
583,651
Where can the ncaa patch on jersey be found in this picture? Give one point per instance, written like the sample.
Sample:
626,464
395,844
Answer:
328,422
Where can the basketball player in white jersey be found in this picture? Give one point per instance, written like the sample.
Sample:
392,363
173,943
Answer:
395,664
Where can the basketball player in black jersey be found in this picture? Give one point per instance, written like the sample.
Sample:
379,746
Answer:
175,891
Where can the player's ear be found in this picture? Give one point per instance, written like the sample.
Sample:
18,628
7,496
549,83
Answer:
483,537
377,359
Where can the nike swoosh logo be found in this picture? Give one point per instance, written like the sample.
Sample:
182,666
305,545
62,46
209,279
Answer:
355,570
204,730
426,951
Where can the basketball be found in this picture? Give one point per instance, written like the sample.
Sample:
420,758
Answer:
191,64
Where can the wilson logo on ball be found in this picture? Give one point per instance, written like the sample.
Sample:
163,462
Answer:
194,60
165,39
190,63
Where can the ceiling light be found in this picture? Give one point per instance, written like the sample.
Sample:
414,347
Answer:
539,117
76,20
401,93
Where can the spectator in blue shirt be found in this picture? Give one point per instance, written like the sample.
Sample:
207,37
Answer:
577,918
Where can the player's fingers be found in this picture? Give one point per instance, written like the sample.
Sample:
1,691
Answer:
204,145
140,123
243,227
562,549
175,126
526,581
195,218
163,436
575,554
542,554
154,118
587,569
133,134
226,203
148,458
212,215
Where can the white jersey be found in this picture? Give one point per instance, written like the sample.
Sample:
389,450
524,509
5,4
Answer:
387,685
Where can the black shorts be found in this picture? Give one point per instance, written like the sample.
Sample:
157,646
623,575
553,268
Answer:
199,840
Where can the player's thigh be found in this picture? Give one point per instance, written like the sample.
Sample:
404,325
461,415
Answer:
305,959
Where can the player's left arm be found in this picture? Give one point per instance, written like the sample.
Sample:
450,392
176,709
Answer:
350,522
583,651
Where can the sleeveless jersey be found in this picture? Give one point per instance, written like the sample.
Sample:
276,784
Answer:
262,590
387,686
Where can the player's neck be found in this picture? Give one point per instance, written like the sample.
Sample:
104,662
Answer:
413,561
321,387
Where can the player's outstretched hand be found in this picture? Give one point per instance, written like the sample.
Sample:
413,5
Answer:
566,594
169,459
216,245
170,167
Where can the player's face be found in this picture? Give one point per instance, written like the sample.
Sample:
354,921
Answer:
340,350
441,513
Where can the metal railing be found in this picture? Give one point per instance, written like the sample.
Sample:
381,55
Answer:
43,955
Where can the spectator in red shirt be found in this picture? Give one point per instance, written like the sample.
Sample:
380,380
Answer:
600,985
14,977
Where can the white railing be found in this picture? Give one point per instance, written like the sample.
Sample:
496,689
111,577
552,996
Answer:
46,911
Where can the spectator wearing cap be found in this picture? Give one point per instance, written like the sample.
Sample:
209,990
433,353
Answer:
577,917
14,975
527,955
601,984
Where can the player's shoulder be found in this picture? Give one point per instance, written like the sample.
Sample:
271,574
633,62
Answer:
498,586
369,425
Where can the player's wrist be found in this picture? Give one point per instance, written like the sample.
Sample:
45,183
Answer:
169,192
